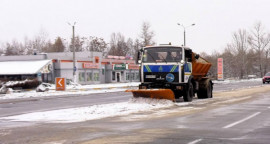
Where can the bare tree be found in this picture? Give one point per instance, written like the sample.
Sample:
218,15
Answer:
146,35
259,41
136,48
78,42
96,44
14,48
239,47
40,41
118,45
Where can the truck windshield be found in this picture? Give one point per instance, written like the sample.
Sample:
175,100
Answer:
162,54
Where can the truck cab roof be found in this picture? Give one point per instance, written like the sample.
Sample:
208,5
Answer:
172,46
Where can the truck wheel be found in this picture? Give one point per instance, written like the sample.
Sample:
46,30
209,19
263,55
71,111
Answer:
206,91
209,90
188,96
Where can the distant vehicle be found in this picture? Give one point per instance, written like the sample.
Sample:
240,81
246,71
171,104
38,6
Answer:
266,78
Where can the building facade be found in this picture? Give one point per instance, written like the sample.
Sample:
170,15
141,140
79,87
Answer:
90,67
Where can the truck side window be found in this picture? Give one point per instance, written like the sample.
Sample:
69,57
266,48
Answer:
188,55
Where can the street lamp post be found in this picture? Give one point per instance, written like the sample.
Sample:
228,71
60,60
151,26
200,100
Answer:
73,46
184,27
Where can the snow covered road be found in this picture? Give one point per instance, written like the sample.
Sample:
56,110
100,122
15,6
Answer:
228,117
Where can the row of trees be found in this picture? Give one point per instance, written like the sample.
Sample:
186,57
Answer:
118,44
246,54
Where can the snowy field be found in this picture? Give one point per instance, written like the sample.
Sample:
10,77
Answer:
80,114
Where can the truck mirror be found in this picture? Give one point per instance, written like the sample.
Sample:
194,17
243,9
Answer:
139,57
197,56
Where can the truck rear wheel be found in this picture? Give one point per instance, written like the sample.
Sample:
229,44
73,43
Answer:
206,90
188,96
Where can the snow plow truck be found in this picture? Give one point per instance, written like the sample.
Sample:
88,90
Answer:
171,72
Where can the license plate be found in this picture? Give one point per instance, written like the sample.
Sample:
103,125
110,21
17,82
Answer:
150,76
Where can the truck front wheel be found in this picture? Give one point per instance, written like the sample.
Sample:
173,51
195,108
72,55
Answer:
188,95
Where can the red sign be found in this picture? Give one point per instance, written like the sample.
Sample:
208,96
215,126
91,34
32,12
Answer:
133,66
91,65
60,84
220,69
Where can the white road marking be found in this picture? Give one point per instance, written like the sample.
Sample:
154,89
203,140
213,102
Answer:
242,120
194,142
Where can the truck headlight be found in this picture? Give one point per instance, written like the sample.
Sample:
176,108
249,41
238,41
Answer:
142,87
179,87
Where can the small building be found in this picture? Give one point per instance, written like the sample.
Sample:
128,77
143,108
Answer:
26,68
90,67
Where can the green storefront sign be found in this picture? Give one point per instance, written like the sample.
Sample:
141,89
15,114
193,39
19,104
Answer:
119,67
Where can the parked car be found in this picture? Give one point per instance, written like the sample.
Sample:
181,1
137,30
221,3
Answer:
266,78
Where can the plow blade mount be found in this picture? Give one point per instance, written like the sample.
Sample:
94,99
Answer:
154,93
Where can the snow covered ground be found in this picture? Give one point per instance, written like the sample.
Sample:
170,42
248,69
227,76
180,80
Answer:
79,114
93,112
71,90
236,81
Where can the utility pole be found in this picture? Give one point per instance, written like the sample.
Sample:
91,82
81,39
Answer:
73,46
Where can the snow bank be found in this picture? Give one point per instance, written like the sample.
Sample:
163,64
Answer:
134,105
236,81
73,89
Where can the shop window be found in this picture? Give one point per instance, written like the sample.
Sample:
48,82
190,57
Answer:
127,76
132,76
113,76
89,76
96,76
137,76
81,76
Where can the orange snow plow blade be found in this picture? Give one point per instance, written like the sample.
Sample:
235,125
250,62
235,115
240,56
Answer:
154,93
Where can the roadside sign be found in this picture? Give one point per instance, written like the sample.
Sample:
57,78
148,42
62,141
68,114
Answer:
119,67
39,74
60,84
220,69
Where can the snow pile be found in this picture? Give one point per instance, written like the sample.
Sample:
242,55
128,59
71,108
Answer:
43,87
94,112
103,86
3,89
24,84
236,81
74,90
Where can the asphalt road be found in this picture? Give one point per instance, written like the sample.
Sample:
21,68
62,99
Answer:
239,116
21,106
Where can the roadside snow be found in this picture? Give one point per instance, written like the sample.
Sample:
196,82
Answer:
237,81
79,114
134,105
74,89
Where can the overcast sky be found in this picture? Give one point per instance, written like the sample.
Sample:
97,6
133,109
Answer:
215,20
